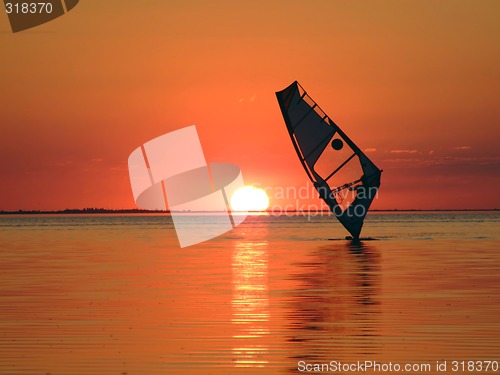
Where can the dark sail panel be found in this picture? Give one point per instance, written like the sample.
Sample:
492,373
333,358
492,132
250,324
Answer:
343,175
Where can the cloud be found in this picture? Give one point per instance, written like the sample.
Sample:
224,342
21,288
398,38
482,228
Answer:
461,148
251,99
371,149
445,161
404,151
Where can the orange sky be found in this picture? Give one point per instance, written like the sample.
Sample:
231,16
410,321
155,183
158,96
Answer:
416,81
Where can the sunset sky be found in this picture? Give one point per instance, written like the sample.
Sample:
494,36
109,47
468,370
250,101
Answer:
414,83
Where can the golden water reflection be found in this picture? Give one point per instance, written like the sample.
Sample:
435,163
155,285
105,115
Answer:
250,303
115,295
336,307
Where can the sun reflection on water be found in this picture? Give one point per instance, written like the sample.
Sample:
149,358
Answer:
250,303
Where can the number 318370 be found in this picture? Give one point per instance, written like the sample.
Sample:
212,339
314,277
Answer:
28,8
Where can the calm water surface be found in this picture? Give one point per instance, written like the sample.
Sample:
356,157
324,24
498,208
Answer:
115,295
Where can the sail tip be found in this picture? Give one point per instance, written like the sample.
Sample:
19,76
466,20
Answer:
291,85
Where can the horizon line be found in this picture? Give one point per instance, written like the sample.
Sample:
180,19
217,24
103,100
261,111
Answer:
142,211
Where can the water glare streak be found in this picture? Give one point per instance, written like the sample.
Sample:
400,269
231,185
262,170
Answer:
250,303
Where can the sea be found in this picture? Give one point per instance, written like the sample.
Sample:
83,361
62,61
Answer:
115,294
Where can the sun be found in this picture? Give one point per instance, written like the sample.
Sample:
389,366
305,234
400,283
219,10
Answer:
249,198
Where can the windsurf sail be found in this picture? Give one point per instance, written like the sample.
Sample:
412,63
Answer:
345,178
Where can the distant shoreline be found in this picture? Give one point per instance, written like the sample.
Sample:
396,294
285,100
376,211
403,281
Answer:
139,211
